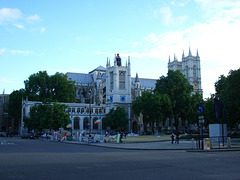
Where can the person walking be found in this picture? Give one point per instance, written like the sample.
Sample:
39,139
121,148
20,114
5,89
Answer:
172,137
177,138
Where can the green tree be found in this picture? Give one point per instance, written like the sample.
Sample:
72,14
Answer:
38,87
154,108
15,106
209,114
190,113
227,90
178,89
62,89
116,119
47,116
55,88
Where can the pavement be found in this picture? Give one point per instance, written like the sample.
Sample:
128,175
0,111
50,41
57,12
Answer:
160,145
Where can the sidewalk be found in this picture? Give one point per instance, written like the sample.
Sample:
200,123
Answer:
161,145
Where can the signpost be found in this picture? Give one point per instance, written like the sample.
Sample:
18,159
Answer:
201,121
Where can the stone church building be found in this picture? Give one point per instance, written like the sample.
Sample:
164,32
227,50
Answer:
108,87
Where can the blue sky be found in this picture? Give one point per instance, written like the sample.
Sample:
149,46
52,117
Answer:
78,36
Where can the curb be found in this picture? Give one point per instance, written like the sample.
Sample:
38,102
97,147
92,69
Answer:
154,149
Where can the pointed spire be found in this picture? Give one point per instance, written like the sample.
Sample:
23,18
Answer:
136,79
175,59
197,53
126,63
99,76
169,59
189,54
107,62
183,54
128,59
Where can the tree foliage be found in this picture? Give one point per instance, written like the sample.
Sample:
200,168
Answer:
227,90
47,116
15,103
209,114
190,113
178,89
154,108
55,88
116,119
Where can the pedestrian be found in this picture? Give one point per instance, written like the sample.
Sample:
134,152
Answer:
172,137
177,138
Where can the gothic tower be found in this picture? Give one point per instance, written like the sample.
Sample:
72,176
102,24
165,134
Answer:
118,85
190,67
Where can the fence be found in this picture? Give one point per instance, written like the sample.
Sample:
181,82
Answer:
217,142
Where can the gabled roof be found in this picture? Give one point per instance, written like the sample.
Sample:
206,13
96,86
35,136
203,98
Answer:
148,83
80,77
99,68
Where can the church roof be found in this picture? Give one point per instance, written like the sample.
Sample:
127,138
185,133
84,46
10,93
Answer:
148,83
99,68
80,77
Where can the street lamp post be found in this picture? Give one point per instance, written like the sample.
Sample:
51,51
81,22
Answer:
90,111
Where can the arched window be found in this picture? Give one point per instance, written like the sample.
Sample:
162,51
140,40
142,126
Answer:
73,110
82,110
122,79
194,71
95,126
76,123
86,123
186,73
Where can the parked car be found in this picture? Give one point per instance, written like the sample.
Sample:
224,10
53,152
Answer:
24,135
28,136
2,134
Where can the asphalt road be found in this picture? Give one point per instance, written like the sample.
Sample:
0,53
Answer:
36,159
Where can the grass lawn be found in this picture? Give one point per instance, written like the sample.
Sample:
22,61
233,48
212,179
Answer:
144,138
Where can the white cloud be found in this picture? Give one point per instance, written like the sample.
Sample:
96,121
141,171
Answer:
5,80
2,51
7,14
168,18
212,7
23,52
19,26
16,18
42,30
34,18
217,41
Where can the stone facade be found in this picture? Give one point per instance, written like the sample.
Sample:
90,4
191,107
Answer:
190,67
100,90
108,87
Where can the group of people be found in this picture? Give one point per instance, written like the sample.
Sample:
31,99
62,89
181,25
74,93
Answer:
173,136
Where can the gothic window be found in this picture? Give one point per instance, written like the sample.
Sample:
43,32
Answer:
122,79
76,123
111,80
82,110
186,69
95,126
86,123
73,110
194,71
69,110
78,110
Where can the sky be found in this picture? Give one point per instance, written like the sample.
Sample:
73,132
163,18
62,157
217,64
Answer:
79,35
